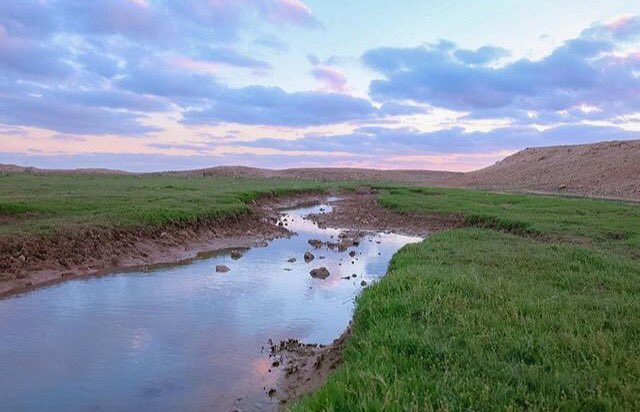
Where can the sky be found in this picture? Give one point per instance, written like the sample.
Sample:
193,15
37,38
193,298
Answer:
149,85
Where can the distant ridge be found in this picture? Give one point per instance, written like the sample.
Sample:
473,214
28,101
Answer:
610,169
342,173
9,168
607,169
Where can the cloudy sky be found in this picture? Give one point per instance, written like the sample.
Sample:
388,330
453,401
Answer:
432,84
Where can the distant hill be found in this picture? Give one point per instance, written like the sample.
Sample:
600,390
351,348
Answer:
374,175
609,169
7,168
11,169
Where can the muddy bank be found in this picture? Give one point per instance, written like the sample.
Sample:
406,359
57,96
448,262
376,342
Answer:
26,263
304,367
362,212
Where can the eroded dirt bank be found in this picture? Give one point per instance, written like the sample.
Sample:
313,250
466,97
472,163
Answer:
362,212
304,366
26,263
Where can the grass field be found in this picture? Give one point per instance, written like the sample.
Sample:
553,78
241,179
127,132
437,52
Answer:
479,319
535,305
605,225
40,204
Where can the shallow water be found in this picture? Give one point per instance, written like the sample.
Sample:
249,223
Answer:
182,337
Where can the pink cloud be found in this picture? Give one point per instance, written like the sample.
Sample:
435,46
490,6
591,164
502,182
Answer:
291,12
626,27
332,79
620,24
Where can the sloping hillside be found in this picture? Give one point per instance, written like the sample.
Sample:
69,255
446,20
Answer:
599,169
11,168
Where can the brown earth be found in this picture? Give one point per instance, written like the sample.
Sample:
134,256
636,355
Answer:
304,367
26,263
362,212
607,169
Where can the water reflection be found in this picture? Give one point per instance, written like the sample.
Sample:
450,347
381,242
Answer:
183,337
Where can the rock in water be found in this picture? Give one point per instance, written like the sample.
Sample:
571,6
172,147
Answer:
308,257
222,268
320,273
291,260
236,254
316,243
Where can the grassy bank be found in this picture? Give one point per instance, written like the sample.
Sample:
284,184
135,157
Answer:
544,318
39,204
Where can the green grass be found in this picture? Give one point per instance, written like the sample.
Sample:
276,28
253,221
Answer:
41,204
606,225
535,306
480,319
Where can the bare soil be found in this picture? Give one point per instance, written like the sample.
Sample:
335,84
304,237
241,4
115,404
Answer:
362,212
304,367
607,169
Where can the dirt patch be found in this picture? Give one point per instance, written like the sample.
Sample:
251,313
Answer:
362,212
26,263
304,367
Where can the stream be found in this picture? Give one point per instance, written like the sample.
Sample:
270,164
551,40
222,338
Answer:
182,337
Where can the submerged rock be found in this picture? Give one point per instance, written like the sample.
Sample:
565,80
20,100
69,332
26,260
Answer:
308,257
363,283
320,273
291,260
222,268
352,253
236,254
316,243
